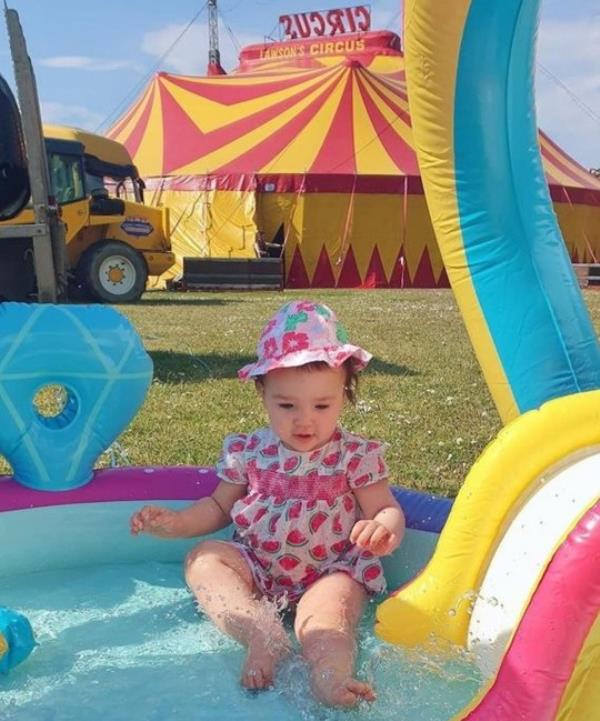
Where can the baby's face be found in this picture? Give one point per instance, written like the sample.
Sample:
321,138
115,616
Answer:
304,406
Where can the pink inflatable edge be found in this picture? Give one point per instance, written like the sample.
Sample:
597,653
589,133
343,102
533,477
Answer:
116,484
539,663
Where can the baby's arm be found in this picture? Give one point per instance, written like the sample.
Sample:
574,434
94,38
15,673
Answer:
382,529
205,516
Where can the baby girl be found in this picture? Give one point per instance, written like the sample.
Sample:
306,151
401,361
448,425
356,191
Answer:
311,509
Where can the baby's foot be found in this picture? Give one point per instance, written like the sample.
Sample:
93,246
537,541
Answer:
335,689
261,661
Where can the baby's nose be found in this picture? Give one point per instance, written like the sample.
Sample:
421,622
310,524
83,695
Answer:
303,417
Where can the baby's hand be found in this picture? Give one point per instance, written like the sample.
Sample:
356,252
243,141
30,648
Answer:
155,520
374,537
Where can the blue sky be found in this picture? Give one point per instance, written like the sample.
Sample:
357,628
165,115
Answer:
93,58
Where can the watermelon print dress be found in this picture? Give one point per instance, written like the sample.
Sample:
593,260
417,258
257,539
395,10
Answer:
294,524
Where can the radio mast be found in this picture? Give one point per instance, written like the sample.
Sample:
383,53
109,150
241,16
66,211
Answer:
214,56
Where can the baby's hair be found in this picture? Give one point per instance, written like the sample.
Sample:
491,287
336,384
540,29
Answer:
350,384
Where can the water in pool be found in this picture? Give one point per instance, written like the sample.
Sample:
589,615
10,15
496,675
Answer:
124,643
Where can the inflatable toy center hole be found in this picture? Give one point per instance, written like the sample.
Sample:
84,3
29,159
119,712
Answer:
55,405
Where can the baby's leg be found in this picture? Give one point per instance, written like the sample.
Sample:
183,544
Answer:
325,625
219,577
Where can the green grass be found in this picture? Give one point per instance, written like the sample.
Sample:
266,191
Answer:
424,393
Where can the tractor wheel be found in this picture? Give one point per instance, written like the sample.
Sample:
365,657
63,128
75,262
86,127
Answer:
113,272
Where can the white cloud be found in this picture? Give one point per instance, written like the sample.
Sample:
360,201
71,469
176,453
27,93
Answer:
190,54
83,62
568,50
74,115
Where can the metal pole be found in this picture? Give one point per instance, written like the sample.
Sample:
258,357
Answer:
48,246
214,56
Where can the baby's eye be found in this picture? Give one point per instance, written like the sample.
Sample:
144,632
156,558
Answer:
322,406
286,406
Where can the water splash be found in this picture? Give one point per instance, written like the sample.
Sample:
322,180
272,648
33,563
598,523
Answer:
127,644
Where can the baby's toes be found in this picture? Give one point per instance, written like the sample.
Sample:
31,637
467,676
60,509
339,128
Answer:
361,689
252,678
257,672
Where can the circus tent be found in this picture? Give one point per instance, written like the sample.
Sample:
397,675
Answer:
310,143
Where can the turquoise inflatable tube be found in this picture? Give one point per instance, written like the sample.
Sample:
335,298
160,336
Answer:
470,70
518,260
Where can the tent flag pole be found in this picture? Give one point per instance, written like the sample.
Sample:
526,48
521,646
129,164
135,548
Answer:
348,224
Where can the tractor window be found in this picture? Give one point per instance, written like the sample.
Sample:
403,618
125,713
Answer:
94,183
66,177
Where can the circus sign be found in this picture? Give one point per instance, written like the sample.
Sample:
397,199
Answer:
323,23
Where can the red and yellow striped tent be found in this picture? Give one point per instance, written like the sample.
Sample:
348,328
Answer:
310,143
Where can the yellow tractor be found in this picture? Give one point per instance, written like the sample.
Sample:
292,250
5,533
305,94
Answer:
112,244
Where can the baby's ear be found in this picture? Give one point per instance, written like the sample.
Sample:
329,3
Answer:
260,387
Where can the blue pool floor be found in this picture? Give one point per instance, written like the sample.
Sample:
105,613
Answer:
125,643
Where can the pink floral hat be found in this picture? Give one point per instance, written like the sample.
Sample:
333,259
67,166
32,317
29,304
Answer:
302,332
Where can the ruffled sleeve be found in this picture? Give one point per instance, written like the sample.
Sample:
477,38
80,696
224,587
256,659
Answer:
231,466
367,465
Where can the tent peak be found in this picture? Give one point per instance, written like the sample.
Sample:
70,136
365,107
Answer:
352,63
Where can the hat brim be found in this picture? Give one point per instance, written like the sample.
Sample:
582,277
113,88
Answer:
334,358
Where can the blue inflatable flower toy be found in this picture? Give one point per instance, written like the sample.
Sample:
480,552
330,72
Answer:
16,639
97,360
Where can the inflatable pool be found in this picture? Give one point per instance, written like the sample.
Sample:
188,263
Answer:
118,633
113,619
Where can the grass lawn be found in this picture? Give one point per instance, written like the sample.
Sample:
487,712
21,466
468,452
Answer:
424,393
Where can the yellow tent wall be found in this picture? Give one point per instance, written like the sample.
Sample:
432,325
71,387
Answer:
208,223
336,239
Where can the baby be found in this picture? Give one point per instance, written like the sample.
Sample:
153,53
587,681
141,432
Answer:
311,508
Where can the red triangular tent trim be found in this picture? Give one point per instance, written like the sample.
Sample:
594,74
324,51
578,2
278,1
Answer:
443,281
323,276
399,277
424,276
297,276
375,277
349,275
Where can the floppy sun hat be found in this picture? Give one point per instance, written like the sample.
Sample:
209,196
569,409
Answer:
302,332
